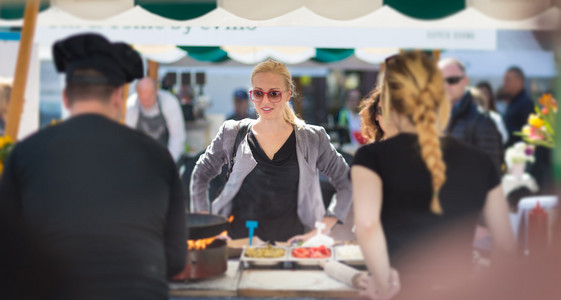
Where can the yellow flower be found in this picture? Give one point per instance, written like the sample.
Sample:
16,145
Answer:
535,121
5,140
526,130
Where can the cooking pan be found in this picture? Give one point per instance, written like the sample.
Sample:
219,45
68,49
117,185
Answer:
202,226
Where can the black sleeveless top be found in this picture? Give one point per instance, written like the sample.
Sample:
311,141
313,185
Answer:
407,193
269,194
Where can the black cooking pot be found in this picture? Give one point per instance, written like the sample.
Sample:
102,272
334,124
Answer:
202,226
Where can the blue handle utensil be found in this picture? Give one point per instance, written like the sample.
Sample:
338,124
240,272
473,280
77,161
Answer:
251,225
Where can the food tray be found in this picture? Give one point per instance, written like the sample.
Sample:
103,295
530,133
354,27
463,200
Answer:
354,260
309,261
264,261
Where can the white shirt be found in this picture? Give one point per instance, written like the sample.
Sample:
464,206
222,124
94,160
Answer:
171,109
500,125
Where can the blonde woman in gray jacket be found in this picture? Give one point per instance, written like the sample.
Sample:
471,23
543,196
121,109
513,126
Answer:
274,179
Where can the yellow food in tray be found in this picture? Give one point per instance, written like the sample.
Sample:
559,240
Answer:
264,252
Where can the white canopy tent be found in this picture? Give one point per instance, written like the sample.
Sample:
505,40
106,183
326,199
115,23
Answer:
290,30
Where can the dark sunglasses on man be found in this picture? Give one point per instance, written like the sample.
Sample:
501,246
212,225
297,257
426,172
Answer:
453,79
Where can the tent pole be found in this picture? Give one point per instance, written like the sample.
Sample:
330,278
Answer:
153,70
124,108
436,55
20,76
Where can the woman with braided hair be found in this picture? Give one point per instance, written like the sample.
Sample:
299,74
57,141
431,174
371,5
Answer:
412,187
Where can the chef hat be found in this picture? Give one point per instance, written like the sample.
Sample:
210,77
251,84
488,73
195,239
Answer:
118,62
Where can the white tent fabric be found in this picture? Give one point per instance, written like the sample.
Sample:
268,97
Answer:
164,54
518,48
473,17
253,55
93,10
375,55
317,37
332,9
510,10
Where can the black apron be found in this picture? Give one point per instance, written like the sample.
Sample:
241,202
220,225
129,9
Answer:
155,126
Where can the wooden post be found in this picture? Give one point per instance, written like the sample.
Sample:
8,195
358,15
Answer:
20,76
436,55
124,108
153,70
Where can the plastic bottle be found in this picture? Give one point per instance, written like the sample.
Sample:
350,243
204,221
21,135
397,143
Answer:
537,230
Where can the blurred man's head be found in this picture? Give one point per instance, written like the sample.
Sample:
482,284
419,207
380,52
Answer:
353,99
146,92
241,102
513,81
455,79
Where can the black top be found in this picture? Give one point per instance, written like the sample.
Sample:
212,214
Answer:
269,194
516,116
407,190
105,201
473,127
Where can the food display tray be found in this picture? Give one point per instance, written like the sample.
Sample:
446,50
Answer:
354,261
256,261
309,261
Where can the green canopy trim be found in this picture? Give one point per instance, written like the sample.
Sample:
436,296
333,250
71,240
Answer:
427,9
177,10
331,55
13,10
211,54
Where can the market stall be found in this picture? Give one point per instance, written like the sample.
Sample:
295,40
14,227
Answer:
234,28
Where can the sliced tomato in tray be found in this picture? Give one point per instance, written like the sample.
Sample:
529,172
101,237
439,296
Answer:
301,252
311,252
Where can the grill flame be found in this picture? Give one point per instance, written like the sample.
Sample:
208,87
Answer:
203,243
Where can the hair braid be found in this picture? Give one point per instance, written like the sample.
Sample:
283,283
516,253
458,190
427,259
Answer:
417,91
429,142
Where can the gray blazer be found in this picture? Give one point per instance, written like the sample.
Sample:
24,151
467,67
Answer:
314,152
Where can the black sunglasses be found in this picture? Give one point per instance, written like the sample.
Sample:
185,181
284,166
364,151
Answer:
453,79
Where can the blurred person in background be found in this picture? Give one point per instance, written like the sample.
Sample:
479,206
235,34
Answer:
186,99
103,202
488,97
275,178
5,93
158,114
241,106
467,123
374,127
519,108
412,187
487,105
520,105
349,118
